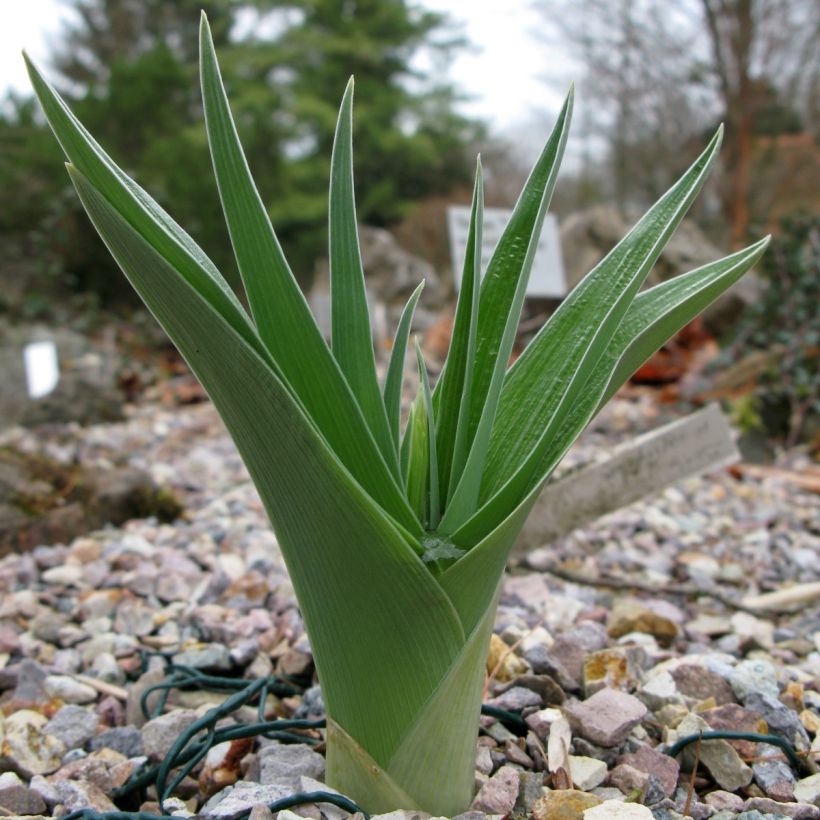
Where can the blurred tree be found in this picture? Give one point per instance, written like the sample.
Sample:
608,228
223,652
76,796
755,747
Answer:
409,142
129,70
661,74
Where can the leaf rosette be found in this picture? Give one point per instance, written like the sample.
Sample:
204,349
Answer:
396,544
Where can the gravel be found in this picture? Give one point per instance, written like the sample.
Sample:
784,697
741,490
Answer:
81,624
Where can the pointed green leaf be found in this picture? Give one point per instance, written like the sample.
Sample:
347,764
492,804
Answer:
502,289
502,296
541,390
659,313
455,383
403,635
654,317
395,369
140,210
433,508
350,318
416,458
282,316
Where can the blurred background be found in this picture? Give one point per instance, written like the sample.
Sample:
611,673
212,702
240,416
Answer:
436,82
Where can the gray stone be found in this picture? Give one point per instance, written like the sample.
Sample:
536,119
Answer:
799,811
106,668
76,795
530,791
73,725
774,776
134,715
718,756
781,720
280,762
234,801
652,762
516,699
29,687
484,761
754,676
127,740
607,717
69,690
160,733
213,657
17,798
312,706
46,789
700,684
499,793
659,691
807,790
724,801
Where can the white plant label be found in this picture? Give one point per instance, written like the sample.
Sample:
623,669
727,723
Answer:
547,276
42,368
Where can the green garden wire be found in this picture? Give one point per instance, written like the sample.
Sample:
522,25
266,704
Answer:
194,742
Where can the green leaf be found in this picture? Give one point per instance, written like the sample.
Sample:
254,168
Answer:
395,369
654,317
350,317
433,508
659,313
416,458
455,384
551,374
502,296
402,635
282,315
141,211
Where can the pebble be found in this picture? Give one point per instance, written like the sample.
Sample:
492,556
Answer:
127,740
700,684
516,699
564,804
807,790
718,756
69,690
214,585
282,762
160,733
586,772
655,763
724,801
660,690
499,793
73,725
234,801
799,811
26,748
607,717
615,810
774,776
638,616
17,798
76,795
780,719
754,677
211,658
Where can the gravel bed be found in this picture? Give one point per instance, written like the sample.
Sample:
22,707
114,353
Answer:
606,678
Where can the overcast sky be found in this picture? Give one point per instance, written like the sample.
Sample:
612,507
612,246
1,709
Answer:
503,70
